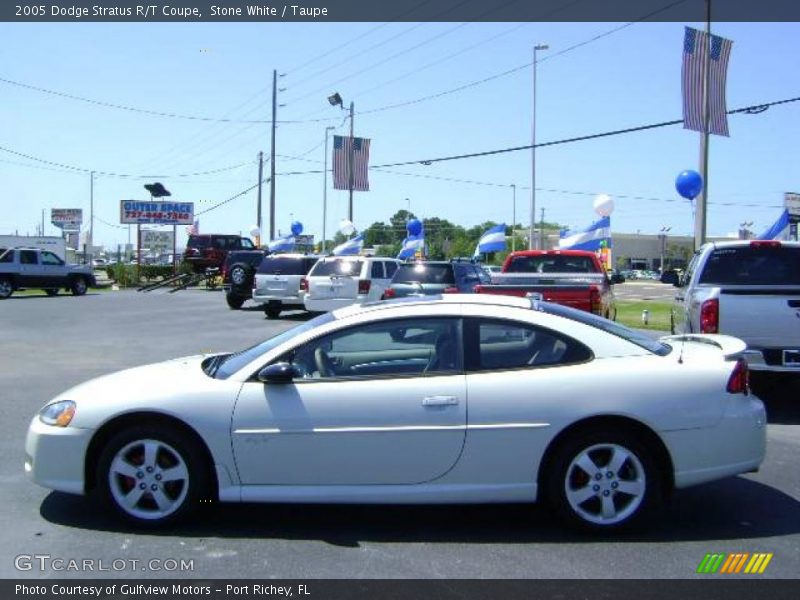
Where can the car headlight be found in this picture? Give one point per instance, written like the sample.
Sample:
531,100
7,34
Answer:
58,413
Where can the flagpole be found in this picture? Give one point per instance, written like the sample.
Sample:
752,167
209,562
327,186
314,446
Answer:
701,201
350,165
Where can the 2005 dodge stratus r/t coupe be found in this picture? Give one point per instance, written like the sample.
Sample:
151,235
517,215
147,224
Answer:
448,399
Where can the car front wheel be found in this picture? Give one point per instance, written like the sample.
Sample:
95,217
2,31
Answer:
152,475
6,287
603,481
78,286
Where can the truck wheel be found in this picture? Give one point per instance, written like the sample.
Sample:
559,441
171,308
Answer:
234,302
272,312
6,287
51,291
238,275
78,286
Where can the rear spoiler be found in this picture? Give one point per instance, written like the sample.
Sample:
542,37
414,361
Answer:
731,347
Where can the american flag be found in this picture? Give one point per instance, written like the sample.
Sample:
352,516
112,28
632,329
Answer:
341,163
695,48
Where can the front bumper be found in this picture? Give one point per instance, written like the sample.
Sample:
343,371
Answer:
54,456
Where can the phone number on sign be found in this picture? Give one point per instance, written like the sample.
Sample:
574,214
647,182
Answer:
159,216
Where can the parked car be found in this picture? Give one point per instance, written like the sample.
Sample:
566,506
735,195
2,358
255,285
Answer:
238,273
337,281
748,289
423,278
23,268
209,250
492,268
280,282
485,399
574,278
671,276
616,276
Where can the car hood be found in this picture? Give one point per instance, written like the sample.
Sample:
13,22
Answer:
170,387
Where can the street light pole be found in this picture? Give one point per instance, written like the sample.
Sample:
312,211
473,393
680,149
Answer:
662,237
536,48
91,216
325,188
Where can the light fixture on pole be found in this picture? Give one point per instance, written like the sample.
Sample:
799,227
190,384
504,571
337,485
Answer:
325,184
536,48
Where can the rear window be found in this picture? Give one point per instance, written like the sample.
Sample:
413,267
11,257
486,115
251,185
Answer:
198,242
558,263
325,268
283,265
424,273
748,265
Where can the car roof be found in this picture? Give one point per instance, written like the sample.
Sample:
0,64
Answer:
445,299
293,255
745,243
552,253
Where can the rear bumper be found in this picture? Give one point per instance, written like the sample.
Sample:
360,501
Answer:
329,304
757,361
262,298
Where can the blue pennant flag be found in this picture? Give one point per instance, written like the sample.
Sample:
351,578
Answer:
284,244
779,229
411,245
352,246
493,240
592,238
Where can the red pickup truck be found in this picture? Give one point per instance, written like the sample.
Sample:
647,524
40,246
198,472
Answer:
573,278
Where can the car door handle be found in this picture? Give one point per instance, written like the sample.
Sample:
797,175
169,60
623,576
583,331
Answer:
439,401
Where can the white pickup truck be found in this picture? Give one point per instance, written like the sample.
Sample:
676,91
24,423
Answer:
22,268
749,290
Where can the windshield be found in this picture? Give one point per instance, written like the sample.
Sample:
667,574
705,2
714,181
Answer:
336,266
753,265
631,335
559,263
198,242
424,273
284,265
233,362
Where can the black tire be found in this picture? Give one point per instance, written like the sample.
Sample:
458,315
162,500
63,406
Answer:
272,312
128,451
6,288
51,291
238,275
78,286
637,472
234,302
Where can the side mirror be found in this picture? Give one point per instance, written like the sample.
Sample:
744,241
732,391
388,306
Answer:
281,372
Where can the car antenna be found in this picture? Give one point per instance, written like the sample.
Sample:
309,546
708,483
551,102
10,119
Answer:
680,355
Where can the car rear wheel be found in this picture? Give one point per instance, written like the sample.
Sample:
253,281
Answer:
6,287
78,286
272,312
603,481
234,302
152,475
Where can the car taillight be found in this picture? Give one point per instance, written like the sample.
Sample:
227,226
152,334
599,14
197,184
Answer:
594,300
737,382
765,244
304,285
389,293
709,316
363,286
450,290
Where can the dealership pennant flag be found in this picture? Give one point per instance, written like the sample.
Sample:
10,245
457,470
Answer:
493,240
352,246
593,238
284,244
779,230
411,245
341,163
695,49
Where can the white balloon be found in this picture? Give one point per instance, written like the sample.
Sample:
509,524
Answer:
604,205
346,227
255,231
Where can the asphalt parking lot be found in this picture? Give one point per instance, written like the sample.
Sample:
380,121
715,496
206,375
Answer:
50,344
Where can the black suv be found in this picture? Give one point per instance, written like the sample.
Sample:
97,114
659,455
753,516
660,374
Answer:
209,250
435,277
238,273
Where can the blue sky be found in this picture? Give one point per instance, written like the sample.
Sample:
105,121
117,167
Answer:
628,78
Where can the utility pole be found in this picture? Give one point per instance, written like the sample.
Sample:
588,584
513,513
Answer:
541,231
325,188
272,157
42,221
700,208
258,207
91,213
350,165
536,48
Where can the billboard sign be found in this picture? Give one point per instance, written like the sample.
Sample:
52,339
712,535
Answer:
157,242
68,219
155,212
792,203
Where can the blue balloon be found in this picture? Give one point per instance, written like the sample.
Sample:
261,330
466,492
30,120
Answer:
414,227
297,228
689,184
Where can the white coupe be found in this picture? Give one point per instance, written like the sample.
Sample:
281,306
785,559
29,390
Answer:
452,399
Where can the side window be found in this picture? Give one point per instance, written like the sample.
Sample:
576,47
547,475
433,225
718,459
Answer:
410,347
377,270
48,258
483,276
247,244
391,268
28,257
500,345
